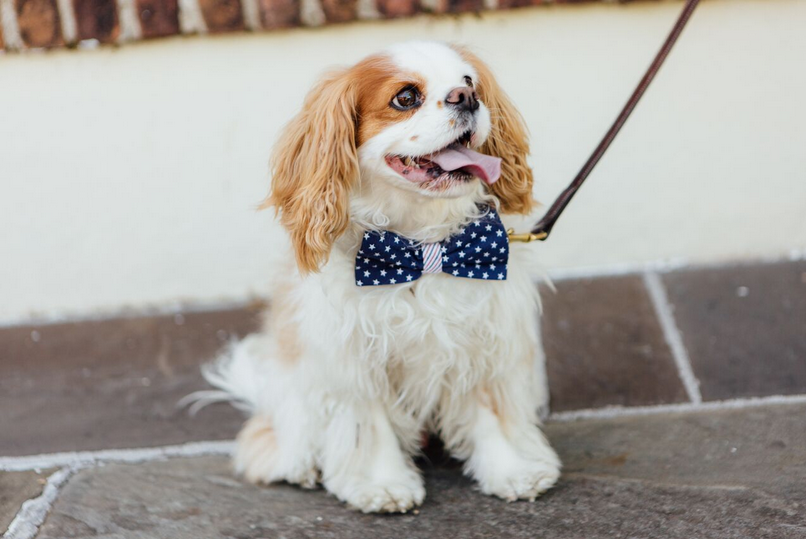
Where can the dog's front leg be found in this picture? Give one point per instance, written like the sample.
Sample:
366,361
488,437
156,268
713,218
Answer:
497,435
363,463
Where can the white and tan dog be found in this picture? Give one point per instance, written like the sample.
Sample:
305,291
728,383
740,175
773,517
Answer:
345,379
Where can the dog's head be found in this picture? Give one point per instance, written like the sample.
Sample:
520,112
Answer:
422,118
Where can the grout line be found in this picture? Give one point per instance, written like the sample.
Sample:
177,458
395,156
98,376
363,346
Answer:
11,27
191,18
491,4
34,511
367,10
312,13
732,404
665,314
90,458
68,21
251,15
130,29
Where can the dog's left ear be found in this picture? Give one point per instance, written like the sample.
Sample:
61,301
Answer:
509,140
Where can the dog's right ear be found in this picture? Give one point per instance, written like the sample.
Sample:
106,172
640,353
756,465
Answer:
314,166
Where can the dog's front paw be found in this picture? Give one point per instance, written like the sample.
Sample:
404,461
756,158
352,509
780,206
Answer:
390,495
524,480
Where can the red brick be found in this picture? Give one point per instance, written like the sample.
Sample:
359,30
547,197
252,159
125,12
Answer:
158,17
222,15
508,4
398,8
340,10
97,19
461,6
279,13
39,23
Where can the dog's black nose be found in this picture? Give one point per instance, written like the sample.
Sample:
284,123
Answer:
463,98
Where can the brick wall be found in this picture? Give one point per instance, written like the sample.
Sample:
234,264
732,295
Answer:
47,24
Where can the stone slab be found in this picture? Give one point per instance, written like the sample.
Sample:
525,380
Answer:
604,346
669,476
114,383
744,327
15,489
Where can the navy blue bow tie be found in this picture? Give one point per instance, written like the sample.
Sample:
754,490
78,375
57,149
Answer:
478,251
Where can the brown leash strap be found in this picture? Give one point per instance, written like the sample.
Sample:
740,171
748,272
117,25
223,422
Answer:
543,228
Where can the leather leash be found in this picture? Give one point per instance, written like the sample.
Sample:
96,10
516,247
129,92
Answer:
543,228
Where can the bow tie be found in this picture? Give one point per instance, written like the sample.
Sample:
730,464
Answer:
479,251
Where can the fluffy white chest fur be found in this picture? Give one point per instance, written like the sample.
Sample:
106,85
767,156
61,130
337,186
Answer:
344,380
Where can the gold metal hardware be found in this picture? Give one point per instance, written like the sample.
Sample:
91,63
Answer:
526,237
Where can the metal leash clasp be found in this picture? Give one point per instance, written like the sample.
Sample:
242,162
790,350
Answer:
526,237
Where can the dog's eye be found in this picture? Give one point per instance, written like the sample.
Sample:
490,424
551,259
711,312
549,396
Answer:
468,81
406,99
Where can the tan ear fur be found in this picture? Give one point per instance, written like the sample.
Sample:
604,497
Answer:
509,140
314,166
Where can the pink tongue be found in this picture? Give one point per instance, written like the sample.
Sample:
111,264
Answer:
458,157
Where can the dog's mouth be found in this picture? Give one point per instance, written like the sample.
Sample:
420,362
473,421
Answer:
456,162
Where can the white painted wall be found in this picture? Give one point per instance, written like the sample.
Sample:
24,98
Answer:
128,176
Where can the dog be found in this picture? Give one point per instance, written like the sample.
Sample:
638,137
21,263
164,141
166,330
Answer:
401,308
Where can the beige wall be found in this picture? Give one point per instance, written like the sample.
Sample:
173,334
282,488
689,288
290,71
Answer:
128,176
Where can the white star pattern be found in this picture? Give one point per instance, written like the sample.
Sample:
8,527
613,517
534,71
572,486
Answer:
383,273
366,274
366,235
397,240
500,276
408,277
494,244
359,283
488,228
392,281
372,247
400,272
456,272
387,249
499,233
470,274
376,282
485,274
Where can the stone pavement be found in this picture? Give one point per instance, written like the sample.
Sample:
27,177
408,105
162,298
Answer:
722,474
666,415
